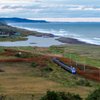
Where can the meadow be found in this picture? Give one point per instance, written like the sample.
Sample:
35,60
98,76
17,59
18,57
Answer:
21,81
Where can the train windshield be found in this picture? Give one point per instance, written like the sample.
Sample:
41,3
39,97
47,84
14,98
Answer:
73,71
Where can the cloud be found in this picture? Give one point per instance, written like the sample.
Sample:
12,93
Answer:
92,9
7,2
68,19
37,8
38,1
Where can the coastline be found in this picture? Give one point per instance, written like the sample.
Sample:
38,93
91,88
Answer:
61,39
66,40
73,41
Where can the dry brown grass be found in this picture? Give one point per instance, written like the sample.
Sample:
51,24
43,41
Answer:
20,81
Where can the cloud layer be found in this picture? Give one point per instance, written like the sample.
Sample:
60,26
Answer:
50,9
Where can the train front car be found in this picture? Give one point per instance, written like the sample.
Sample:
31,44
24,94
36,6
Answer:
73,70
65,66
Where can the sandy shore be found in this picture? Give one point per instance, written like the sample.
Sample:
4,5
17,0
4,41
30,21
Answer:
72,41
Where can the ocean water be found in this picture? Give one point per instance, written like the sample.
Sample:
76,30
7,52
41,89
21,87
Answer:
88,32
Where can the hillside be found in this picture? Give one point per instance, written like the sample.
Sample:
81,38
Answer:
33,73
6,29
21,20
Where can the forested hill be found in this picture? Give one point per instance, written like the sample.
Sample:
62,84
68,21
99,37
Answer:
6,28
21,20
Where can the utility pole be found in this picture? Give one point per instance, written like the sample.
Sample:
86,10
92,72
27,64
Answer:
64,54
76,62
70,58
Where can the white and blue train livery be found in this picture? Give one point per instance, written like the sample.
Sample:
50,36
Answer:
65,66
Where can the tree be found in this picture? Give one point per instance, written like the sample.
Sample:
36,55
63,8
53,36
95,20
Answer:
95,95
52,95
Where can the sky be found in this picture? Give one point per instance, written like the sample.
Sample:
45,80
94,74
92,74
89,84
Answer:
52,10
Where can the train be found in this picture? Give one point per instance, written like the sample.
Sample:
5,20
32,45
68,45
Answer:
65,66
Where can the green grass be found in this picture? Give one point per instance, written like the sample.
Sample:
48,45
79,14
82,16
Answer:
13,38
82,53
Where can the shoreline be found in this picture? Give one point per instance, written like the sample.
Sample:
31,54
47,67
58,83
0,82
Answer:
61,39
73,41
66,40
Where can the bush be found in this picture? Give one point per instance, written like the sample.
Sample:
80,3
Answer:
47,69
95,95
69,96
29,55
80,69
18,55
52,95
25,55
33,64
83,82
2,97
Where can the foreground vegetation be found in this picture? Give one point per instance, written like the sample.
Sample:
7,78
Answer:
31,79
20,81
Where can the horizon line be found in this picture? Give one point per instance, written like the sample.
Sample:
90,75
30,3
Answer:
68,19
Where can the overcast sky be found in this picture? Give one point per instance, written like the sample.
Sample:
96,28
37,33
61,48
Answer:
51,9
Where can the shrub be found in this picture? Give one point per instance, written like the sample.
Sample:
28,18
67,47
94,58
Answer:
18,55
95,95
1,70
2,97
33,64
69,96
25,55
52,95
80,69
28,55
47,69
83,82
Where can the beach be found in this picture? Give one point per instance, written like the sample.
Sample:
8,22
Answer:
68,33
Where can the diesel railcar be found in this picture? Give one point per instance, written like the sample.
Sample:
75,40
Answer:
65,66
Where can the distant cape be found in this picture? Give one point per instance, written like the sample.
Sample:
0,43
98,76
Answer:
21,20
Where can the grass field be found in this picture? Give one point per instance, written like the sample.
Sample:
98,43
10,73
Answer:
20,81
82,53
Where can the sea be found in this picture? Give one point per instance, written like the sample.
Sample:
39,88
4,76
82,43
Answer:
88,32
